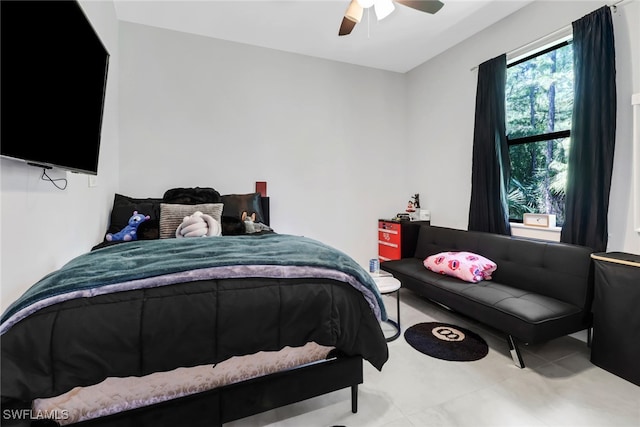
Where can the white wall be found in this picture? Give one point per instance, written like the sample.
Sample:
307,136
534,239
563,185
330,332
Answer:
326,136
41,227
622,236
441,103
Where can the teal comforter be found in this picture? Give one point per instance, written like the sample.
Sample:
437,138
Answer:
131,261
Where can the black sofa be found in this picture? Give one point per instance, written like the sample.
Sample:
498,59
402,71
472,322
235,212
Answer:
540,290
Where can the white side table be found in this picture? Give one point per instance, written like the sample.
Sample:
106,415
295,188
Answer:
387,284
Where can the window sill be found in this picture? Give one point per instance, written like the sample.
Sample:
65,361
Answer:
551,234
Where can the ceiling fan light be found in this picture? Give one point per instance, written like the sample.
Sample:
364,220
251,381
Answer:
354,11
365,3
383,8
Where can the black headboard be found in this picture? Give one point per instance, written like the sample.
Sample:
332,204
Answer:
265,210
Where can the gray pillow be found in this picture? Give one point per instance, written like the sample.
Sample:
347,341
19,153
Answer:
172,215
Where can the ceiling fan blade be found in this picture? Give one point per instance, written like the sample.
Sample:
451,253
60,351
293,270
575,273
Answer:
346,27
428,6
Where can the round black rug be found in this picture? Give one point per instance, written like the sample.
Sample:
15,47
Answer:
447,342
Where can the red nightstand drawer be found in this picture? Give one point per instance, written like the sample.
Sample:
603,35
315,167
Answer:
389,237
391,226
389,233
388,251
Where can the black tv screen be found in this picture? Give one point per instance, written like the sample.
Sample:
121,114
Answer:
53,79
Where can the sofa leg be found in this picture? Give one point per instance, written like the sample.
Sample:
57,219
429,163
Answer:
589,336
515,352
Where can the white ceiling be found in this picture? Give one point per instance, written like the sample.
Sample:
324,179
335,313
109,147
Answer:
402,41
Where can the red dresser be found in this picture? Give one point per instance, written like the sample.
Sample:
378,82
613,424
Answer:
397,239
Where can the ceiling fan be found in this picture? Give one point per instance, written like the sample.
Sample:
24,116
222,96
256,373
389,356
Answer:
383,8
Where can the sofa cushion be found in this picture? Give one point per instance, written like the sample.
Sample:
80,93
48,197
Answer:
557,270
525,305
526,315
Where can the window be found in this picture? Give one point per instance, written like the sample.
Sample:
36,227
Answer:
539,104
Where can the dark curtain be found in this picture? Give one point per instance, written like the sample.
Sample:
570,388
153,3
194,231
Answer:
593,131
488,210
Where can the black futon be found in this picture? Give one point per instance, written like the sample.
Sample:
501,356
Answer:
540,291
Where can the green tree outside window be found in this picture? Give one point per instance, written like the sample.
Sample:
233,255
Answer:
539,104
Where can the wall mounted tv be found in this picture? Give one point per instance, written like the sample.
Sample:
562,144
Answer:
52,85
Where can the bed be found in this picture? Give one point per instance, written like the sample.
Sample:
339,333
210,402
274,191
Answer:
237,324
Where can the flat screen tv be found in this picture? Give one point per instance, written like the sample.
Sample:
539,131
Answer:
52,85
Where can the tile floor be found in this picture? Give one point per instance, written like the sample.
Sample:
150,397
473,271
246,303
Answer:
558,387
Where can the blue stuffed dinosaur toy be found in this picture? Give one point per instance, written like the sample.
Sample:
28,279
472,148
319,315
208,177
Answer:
130,232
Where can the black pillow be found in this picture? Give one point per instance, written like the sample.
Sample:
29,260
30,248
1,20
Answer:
124,206
191,196
149,230
232,226
235,204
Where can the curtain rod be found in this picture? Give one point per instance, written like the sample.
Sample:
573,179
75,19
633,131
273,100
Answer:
559,31
550,35
615,5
